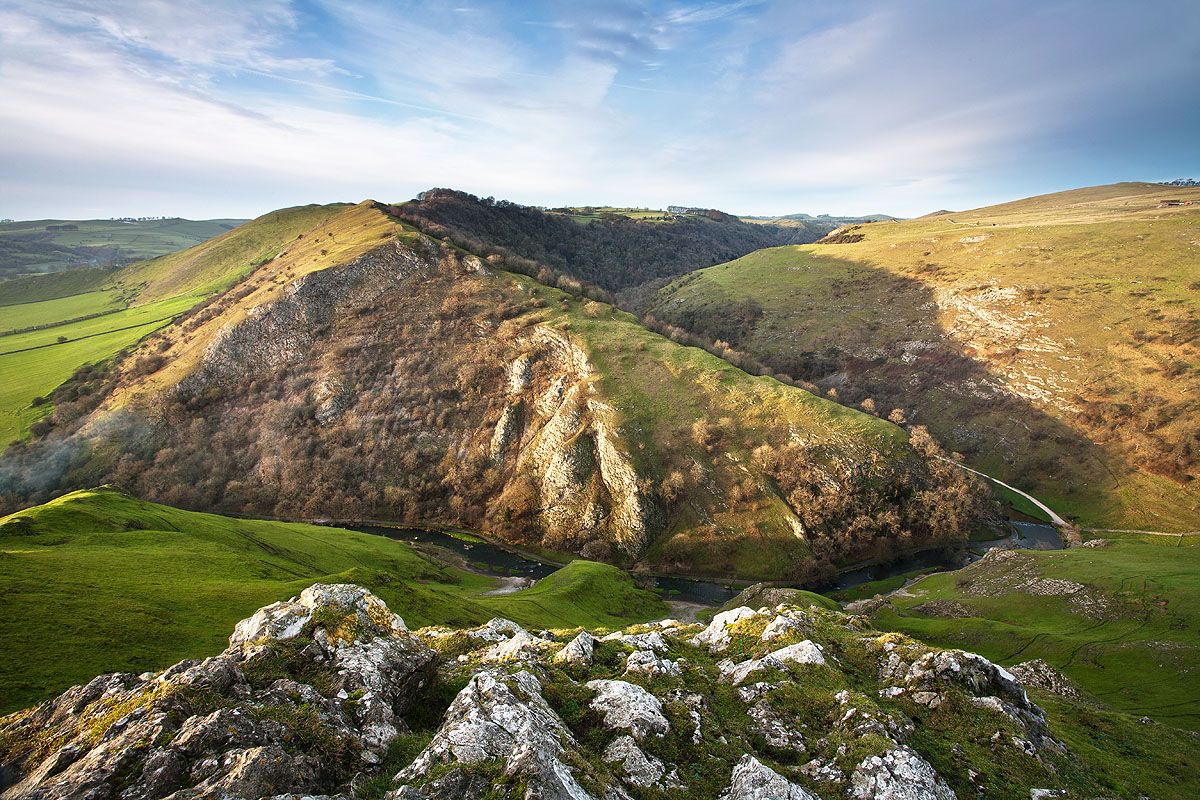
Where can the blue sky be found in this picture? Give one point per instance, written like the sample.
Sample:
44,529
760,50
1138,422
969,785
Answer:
236,107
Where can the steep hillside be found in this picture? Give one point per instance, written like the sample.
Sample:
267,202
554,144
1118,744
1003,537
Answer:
97,580
1054,341
52,325
370,372
50,245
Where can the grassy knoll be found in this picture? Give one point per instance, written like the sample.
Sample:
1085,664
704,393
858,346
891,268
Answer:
218,263
1121,620
98,581
1054,341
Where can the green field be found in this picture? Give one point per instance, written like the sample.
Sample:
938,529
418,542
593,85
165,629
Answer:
1129,636
45,312
97,581
39,246
44,362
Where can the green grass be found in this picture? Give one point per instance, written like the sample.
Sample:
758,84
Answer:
1137,650
36,288
35,373
97,581
43,312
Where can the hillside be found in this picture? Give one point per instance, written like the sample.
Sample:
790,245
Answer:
52,245
53,325
611,249
1053,341
370,372
99,581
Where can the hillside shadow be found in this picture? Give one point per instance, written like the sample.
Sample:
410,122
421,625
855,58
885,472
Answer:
869,337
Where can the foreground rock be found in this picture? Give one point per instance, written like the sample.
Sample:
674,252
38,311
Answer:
310,699
308,693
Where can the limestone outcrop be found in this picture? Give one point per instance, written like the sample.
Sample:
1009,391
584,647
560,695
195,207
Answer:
314,697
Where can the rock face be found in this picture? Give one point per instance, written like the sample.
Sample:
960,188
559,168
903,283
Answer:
241,724
311,695
585,477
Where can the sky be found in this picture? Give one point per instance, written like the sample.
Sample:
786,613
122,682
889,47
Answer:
232,108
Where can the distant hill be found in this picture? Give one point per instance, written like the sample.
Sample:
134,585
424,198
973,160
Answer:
53,245
1054,341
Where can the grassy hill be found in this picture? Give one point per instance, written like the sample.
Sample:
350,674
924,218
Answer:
98,581
87,316
50,245
1054,341
367,372
1119,620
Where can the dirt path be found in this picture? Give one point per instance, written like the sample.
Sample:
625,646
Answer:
685,611
508,586
1055,518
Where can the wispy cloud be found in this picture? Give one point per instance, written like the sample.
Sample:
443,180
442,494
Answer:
221,107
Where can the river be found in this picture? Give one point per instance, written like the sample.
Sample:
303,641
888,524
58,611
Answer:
487,557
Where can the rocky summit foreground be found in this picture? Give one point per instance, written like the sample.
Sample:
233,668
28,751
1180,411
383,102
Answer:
330,693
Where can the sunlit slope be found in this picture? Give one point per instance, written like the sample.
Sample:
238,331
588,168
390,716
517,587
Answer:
334,240
217,263
1054,341
98,581
87,321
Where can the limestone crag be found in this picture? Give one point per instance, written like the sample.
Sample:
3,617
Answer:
235,724
586,482
312,692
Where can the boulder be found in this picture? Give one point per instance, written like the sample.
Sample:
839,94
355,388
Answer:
806,652
753,780
899,774
716,636
627,706
578,650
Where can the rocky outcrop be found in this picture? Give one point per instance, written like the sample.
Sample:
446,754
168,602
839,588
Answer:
752,780
312,691
899,774
627,706
585,478
309,692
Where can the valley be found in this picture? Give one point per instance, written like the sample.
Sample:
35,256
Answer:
798,416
